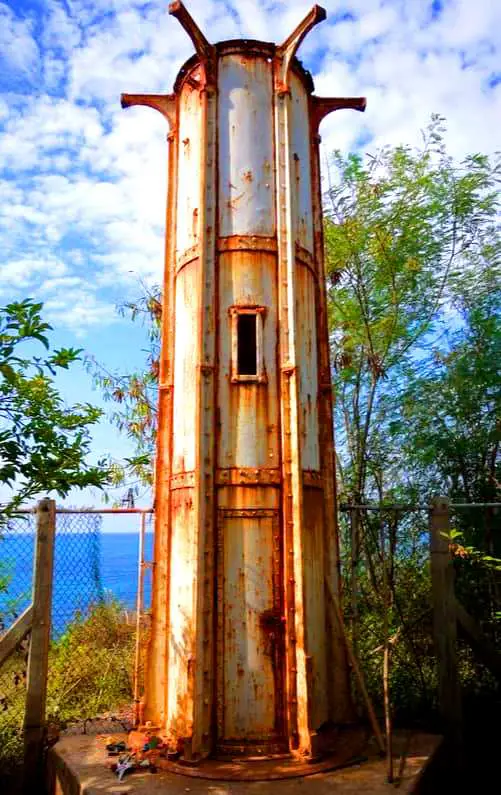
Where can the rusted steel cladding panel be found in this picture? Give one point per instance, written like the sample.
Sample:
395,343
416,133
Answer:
301,164
188,190
182,617
308,367
248,412
185,367
246,195
248,600
314,608
246,497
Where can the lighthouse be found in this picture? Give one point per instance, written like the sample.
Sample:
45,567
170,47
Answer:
245,657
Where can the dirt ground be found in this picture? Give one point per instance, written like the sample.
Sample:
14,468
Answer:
78,766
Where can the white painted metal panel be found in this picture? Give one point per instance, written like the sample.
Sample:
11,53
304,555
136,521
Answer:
301,164
308,368
249,420
249,694
185,368
188,197
246,195
314,603
182,623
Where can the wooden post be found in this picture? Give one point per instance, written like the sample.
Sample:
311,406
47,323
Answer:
34,719
355,554
444,620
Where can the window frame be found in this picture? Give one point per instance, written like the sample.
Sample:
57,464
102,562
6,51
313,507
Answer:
260,376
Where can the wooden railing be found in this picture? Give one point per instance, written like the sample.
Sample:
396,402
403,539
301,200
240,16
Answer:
36,620
449,616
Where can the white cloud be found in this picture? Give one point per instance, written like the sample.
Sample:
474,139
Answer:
60,29
61,283
21,273
19,55
84,183
78,311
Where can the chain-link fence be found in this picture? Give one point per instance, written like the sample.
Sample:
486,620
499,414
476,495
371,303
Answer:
95,666
99,620
17,542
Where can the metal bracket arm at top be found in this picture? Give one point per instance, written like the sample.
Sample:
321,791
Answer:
287,50
204,49
164,103
322,106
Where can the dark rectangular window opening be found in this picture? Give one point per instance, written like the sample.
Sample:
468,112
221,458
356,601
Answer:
247,344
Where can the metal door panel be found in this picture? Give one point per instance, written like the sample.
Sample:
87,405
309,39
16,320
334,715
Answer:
250,632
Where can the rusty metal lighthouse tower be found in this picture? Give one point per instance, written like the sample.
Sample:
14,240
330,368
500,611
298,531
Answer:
245,656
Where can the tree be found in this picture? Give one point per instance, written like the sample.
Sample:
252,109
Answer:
407,231
402,229
452,442
453,402
43,442
135,394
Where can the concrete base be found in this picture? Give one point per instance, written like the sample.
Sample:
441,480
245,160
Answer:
78,766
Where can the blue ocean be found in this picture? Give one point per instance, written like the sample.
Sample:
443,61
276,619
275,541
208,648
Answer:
88,568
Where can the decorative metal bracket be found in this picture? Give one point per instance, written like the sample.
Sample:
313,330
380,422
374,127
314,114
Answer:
322,106
204,49
286,51
164,103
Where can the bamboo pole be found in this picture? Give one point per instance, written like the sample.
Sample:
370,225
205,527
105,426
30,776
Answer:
38,659
387,711
355,554
386,655
356,669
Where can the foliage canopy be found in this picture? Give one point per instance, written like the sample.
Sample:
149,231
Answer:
43,442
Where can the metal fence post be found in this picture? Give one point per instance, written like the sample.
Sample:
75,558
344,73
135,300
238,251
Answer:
36,694
139,614
444,620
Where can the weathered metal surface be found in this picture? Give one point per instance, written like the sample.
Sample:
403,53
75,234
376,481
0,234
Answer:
338,685
189,186
182,480
248,476
306,333
301,164
248,413
201,740
247,243
250,626
246,192
182,616
155,678
313,562
245,468
186,354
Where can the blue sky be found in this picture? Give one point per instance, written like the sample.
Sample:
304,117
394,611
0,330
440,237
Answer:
82,183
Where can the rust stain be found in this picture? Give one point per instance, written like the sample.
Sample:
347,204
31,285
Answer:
232,203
